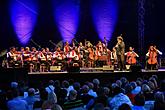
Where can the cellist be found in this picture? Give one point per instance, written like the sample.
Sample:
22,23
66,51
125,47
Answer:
152,60
131,56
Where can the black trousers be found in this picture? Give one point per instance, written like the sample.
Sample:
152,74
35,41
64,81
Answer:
121,64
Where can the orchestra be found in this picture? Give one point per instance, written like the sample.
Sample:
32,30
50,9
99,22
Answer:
82,55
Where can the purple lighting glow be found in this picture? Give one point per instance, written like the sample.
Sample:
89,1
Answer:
67,17
23,17
104,13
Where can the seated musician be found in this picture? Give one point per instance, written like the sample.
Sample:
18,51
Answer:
26,56
114,57
67,48
58,56
42,56
131,56
34,58
100,46
11,57
74,56
49,56
152,58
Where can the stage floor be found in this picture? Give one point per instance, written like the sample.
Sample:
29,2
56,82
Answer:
93,70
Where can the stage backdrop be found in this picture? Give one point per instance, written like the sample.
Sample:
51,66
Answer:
24,21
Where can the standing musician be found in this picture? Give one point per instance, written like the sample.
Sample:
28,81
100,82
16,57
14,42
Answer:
81,50
131,56
91,56
120,50
152,60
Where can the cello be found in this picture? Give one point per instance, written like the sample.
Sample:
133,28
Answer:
152,58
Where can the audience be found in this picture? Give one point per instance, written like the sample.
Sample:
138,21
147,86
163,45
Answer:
122,94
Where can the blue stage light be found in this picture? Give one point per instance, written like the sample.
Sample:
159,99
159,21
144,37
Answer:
105,14
67,17
23,16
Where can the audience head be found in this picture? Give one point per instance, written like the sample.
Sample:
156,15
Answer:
90,85
128,88
51,82
117,90
119,83
85,89
72,95
124,106
76,86
159,97
14,84
145,88
106,91
65,84
31,92
96,82
99,106
139,100
133,84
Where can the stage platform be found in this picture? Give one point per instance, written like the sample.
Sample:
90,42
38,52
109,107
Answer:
106,77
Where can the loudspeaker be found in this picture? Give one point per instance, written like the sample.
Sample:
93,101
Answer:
73,69
108,67
55,68
135,68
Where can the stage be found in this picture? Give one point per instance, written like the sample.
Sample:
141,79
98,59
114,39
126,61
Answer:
41,78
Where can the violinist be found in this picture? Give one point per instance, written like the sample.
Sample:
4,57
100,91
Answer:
11,57
131,56
152,60
34,58
26,56
67,48
58,56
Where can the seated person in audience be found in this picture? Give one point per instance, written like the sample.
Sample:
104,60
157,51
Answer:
73,102
30,99
118,99
159,101
139,102
16,103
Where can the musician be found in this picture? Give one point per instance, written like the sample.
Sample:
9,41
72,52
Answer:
120,50
152,60
100,46
81,50
11,57
42,56
131,56
58,56
26,56
67,48
34,58
74,54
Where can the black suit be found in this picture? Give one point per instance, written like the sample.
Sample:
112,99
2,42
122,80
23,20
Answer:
120,50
